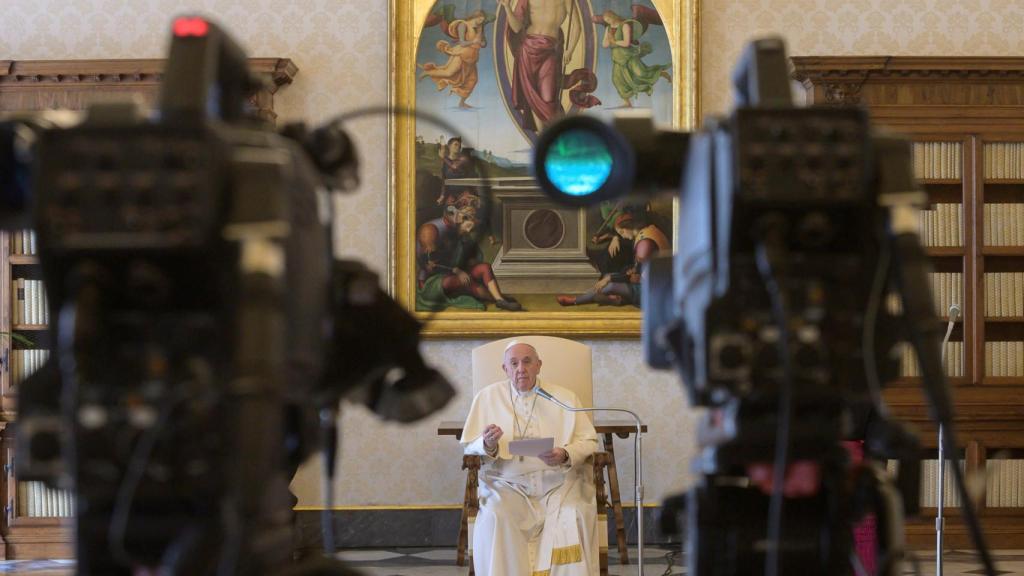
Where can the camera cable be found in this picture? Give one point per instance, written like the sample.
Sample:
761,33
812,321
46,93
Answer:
870,324
136,469
329,435
770,251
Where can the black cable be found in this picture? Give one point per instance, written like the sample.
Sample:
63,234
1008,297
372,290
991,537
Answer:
768,258
330,433
136,468
670,559
870,323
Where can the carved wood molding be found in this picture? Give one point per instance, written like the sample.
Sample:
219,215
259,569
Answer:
846,94
916,81
824,69
280,71
22,81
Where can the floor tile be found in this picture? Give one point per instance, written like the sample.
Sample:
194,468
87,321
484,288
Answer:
440,554
368,555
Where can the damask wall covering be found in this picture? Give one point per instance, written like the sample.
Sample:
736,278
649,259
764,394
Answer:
340,47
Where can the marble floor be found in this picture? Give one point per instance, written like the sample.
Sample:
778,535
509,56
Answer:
657,562
441,562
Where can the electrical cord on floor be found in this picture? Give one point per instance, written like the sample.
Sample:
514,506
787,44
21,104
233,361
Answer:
670,559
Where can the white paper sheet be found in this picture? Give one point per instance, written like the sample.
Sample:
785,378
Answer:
531,446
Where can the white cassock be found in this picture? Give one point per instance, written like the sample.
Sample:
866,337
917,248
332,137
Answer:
534,519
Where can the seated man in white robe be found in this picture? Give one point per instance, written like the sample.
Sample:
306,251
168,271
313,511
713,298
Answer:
537,514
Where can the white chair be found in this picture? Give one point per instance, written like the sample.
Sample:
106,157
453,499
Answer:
566,363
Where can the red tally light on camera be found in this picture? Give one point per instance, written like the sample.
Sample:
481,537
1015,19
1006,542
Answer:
190,27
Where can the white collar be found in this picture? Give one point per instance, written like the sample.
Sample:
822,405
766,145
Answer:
526,394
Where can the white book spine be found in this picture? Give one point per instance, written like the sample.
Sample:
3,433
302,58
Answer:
986,224
992,483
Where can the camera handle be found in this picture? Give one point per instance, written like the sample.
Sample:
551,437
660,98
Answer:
207,74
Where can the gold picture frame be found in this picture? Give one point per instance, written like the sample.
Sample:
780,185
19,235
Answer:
680,19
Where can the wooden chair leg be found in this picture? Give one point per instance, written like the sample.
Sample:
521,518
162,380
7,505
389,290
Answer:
600,463
613,489
470,505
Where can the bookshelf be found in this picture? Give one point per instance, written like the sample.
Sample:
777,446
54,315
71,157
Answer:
37,521
963,115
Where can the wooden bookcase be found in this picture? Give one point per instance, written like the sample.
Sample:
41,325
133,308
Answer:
71,84
976,106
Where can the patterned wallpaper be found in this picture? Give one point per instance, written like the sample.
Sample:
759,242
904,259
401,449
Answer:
340,47
853,27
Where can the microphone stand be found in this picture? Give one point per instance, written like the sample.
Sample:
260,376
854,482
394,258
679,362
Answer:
940,522
638,464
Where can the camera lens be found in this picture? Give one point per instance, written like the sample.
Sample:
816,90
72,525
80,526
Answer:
578,162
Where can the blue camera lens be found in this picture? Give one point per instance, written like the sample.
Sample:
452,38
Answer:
578,162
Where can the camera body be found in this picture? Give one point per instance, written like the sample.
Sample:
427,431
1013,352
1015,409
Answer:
780,235
769,312
184,285
202,329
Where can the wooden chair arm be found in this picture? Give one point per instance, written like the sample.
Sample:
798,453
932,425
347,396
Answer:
601,459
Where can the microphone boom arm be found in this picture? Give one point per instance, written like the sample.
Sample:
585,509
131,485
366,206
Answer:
638,465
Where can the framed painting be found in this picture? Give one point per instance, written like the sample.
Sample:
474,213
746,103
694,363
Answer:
477,250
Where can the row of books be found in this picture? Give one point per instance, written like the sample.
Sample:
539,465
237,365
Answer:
36,500
937,159
1004,160
23,242
1004,358
29,306
25,362
947,289
929,496
942,225
954,360
1004,483
1004,294
1004,225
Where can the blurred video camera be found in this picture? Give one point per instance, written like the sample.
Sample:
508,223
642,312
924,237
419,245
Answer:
794,223
202,326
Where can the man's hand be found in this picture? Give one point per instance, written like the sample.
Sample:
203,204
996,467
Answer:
492,433
613,246
554,457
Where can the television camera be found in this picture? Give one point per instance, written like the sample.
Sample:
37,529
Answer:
793,225
202,325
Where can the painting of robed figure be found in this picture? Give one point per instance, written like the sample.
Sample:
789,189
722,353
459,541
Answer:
478,246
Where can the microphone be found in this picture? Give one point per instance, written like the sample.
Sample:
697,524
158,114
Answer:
940,522
638,461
